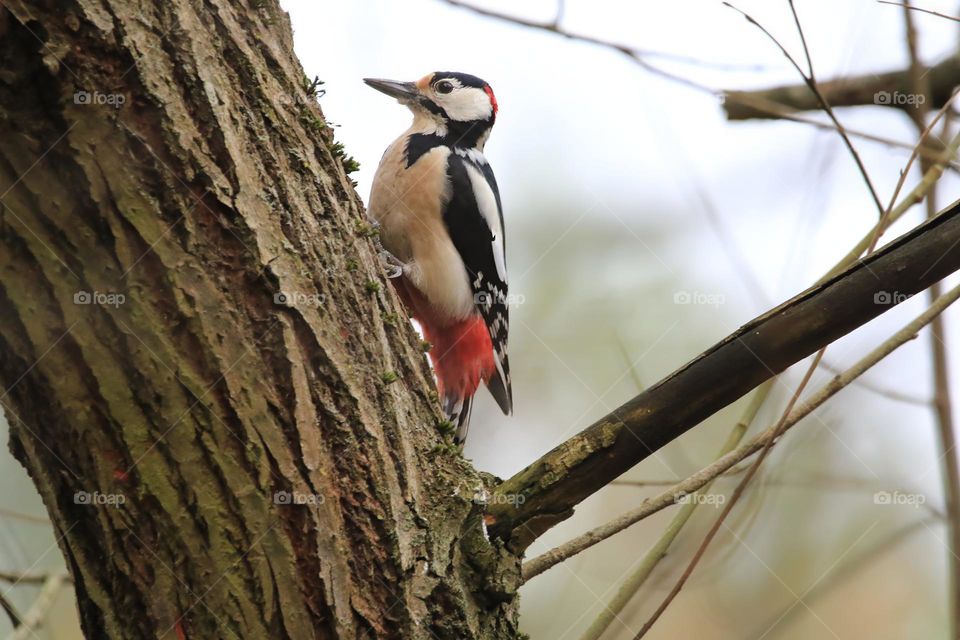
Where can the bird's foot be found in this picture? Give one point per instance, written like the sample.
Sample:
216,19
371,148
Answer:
391,264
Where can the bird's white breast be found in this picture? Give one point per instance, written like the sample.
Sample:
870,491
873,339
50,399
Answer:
408,204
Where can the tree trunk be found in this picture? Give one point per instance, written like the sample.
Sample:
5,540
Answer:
217,395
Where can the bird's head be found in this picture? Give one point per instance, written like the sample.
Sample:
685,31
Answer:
461,106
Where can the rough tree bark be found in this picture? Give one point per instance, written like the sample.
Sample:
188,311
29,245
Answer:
192,182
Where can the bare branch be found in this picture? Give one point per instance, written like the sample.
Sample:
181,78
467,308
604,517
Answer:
733,101
16,578
890,394
15,619
870,89
915,195
920,9
636,54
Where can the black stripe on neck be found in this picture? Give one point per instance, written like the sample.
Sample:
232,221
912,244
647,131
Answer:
463,135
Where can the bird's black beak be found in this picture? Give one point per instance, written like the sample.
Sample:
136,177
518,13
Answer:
402,91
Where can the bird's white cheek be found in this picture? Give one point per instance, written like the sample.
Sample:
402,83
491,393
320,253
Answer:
466,106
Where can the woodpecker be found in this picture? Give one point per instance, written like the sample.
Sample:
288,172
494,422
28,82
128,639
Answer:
441,222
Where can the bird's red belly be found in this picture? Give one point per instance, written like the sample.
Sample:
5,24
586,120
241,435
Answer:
462,353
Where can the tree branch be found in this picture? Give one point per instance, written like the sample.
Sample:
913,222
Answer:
853,91
553,485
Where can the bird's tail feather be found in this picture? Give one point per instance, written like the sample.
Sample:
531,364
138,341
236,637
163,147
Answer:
458,410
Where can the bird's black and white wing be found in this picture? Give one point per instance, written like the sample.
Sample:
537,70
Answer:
474,220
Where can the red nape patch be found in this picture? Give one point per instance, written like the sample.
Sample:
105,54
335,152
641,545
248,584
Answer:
493,99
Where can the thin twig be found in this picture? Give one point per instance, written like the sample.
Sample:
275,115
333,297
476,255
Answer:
784,113
920,9
633,52
23,578
37,613
15,618
812,482
26,517
890,394
943,409
891,213
811,82
917,194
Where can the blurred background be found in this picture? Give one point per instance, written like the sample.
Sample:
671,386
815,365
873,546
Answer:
642,228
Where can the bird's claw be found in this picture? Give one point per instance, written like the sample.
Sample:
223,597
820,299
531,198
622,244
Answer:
391,264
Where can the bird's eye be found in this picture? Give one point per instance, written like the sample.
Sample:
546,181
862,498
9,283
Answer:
443,87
